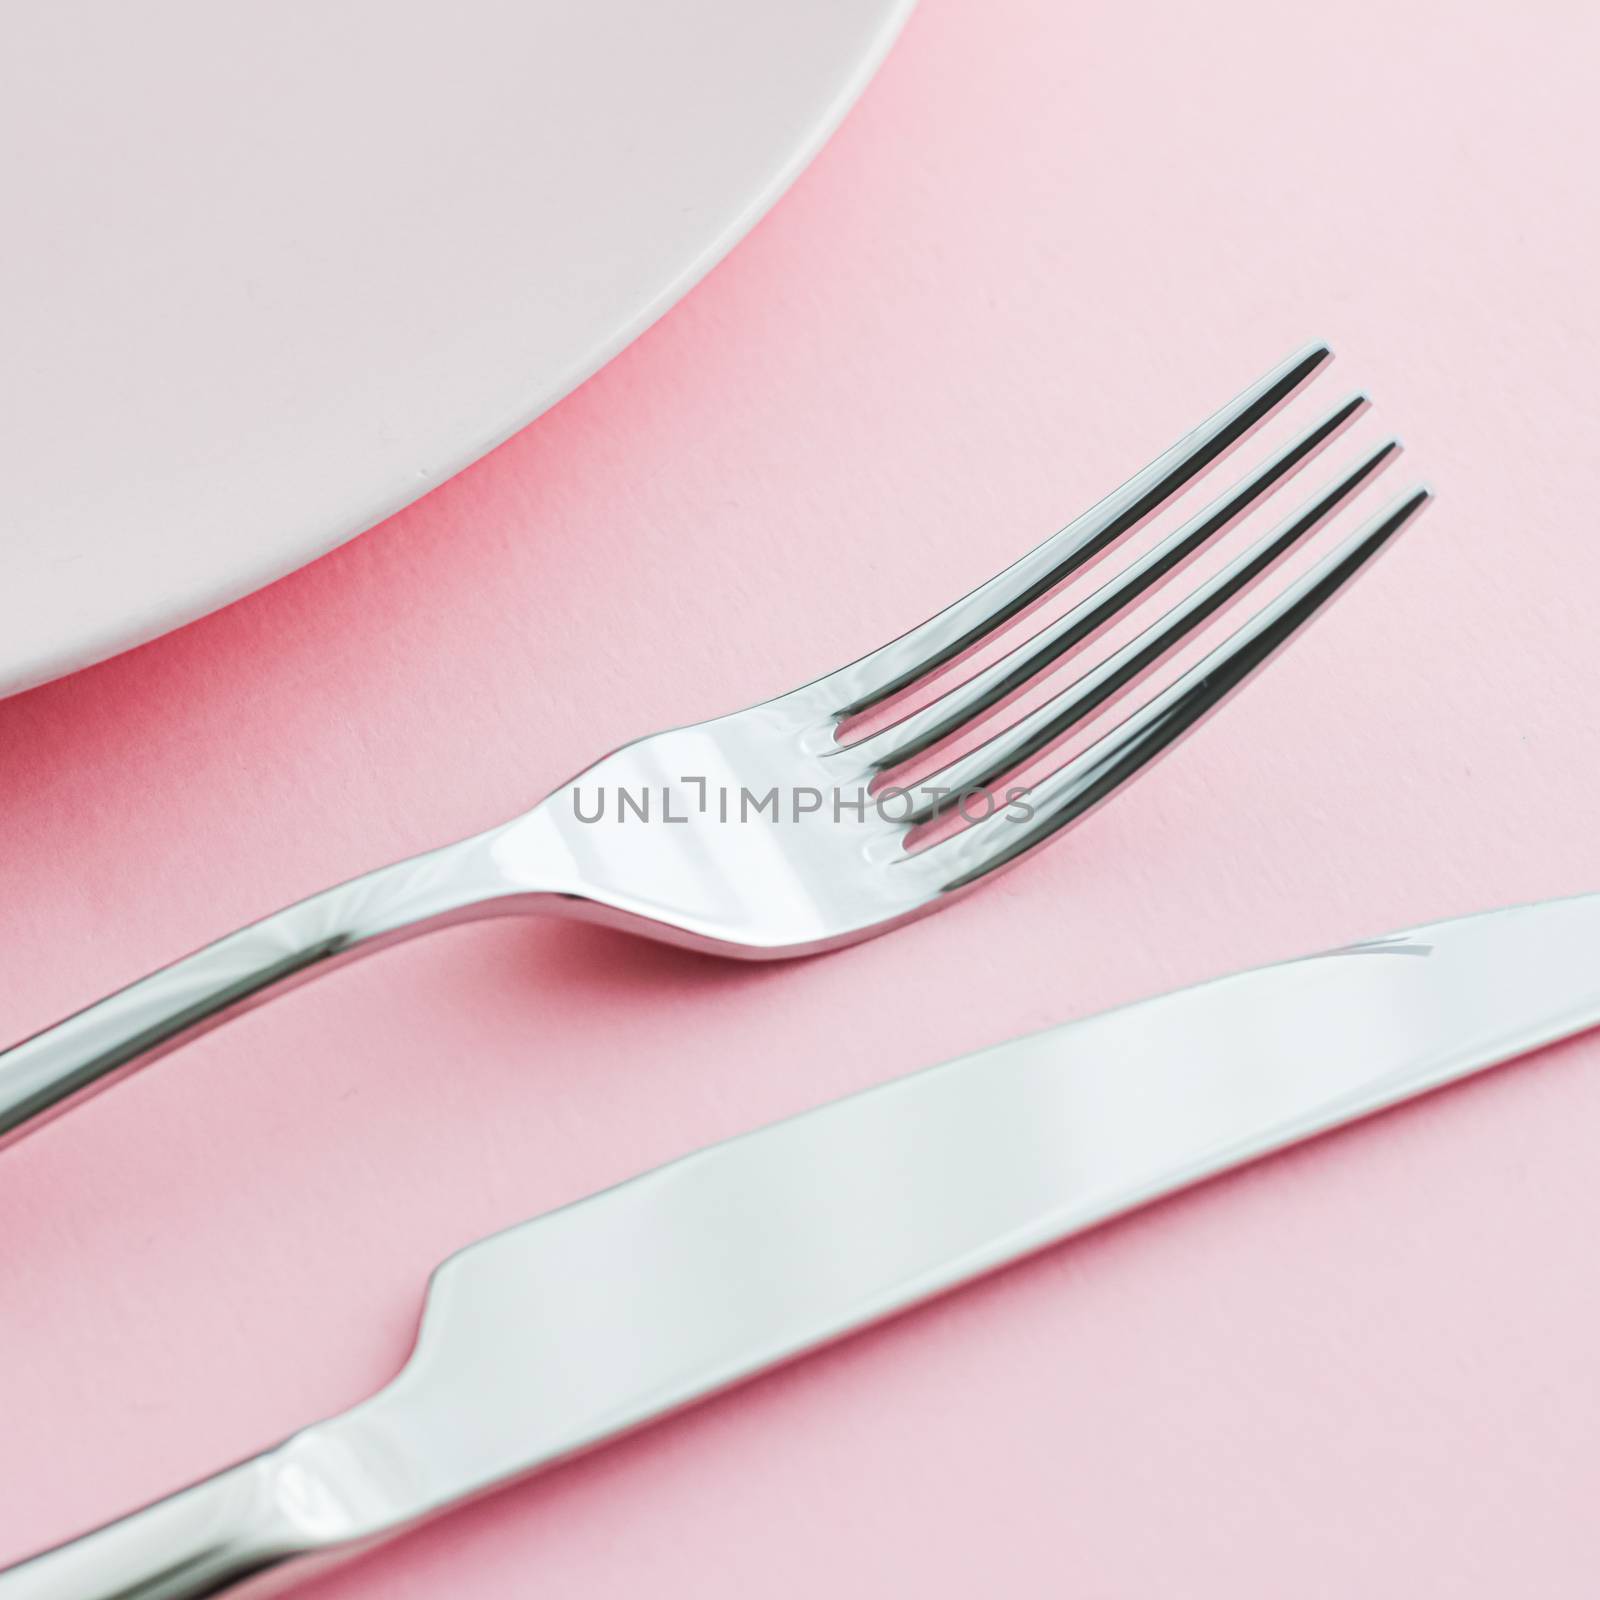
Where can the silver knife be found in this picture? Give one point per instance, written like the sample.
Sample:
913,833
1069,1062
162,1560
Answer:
571,1329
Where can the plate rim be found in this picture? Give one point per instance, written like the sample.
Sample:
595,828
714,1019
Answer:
180,606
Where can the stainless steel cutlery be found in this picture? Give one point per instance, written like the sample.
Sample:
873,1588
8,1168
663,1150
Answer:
808,876
562,1333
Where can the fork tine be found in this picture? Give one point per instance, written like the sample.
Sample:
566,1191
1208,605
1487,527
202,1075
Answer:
1046,724
957,628
923,729
1075,789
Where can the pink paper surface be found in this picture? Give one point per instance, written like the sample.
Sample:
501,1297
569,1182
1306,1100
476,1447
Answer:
1050,238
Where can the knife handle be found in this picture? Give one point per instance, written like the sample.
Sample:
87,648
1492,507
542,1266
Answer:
54,1070
251,1529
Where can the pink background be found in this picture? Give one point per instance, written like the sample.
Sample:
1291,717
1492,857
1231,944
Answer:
1049,238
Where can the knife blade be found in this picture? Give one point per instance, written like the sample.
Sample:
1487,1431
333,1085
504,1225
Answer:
554,1336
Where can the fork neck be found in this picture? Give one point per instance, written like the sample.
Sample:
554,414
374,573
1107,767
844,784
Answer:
54,1070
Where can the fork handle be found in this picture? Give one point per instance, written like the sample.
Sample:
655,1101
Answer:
55,1069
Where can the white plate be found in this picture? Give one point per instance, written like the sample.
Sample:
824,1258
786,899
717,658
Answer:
272,270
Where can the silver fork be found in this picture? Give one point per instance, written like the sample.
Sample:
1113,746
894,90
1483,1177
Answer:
774,831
